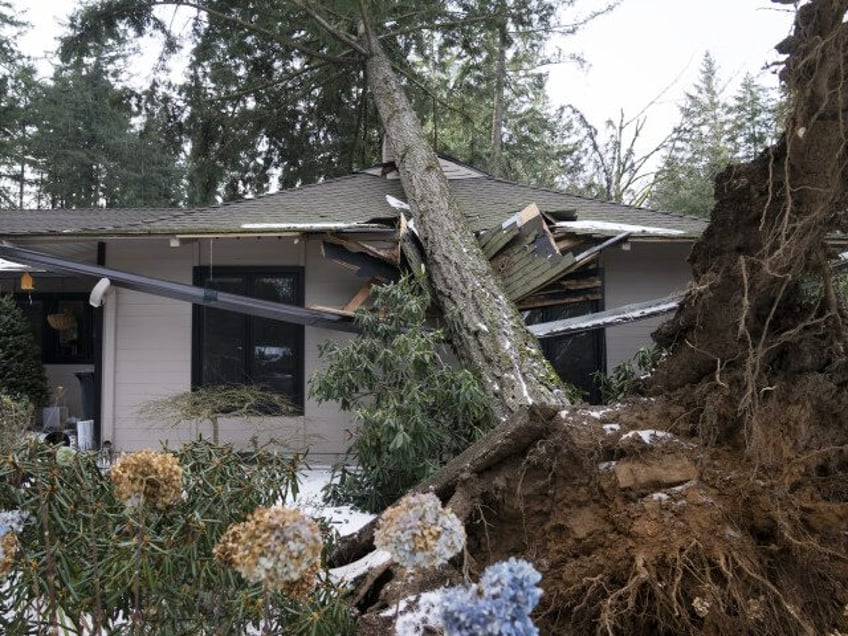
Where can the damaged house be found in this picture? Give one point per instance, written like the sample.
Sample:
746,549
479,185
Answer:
129,305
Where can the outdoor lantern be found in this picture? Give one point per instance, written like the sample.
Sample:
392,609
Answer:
27,283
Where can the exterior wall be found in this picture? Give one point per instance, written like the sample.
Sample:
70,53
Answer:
152,337
644,272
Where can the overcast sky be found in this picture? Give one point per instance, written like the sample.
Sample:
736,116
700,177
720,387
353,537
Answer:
644,50
647,50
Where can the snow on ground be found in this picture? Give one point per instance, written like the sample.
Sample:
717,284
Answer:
345,519
649,436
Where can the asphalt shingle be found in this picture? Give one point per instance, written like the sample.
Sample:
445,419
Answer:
354,200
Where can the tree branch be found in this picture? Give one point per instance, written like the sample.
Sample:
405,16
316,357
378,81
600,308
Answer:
255,29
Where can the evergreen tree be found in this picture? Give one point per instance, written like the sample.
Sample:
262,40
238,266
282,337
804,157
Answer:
712,133
753,115
88,150
17,85
486,101
21,372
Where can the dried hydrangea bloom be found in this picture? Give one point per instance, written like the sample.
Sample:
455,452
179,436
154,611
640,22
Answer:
11,522
278,547
148,477
8,548
419,533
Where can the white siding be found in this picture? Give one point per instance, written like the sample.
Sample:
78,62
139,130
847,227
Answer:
152,342
152,357
645,272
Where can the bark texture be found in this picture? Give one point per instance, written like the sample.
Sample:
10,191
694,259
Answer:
487,330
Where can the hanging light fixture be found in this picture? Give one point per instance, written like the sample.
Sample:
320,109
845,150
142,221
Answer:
27,283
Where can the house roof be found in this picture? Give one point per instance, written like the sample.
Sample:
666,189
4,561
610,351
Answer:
361,201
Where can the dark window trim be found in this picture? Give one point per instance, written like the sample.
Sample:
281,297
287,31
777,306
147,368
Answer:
201,274
49,354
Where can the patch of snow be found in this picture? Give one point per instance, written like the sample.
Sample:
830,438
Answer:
418,615
611,428
617,227
603,466
345,519
350,572
658,496
396,203
649,436
598,414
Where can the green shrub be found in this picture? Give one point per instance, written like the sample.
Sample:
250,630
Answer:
412,410
618,384
21,372
15,417
92,562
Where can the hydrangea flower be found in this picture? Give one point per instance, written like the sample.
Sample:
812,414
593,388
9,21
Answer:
499,605
419,533
11,522
65,455
148,477
278,547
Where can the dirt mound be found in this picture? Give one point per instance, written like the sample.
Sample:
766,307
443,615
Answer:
650,531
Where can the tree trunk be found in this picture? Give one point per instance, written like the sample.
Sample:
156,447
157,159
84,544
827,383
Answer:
496,158
486,328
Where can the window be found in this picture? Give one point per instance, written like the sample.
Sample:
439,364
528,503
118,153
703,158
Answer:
63,325
574,357
232,348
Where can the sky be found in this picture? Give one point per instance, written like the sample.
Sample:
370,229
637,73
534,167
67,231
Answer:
645,54
641,57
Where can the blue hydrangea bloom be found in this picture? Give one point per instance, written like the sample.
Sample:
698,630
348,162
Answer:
500,605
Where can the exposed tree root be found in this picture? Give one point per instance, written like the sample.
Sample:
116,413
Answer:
668,537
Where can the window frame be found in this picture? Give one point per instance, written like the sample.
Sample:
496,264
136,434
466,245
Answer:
49,342
248,275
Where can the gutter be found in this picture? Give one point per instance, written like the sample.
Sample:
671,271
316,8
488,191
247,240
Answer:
181,291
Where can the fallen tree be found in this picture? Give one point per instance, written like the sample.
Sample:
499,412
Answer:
719,504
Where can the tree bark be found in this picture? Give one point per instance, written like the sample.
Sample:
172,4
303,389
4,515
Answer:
487,330
496,158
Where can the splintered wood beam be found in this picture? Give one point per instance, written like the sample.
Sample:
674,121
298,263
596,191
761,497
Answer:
609,318
389,256
360,296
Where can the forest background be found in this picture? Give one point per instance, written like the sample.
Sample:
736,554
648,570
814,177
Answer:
593,105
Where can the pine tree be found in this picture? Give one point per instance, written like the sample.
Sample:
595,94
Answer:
753,115
17,85
21,372
712,134
88,150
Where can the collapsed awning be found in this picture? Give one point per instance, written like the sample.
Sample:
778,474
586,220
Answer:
181,291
